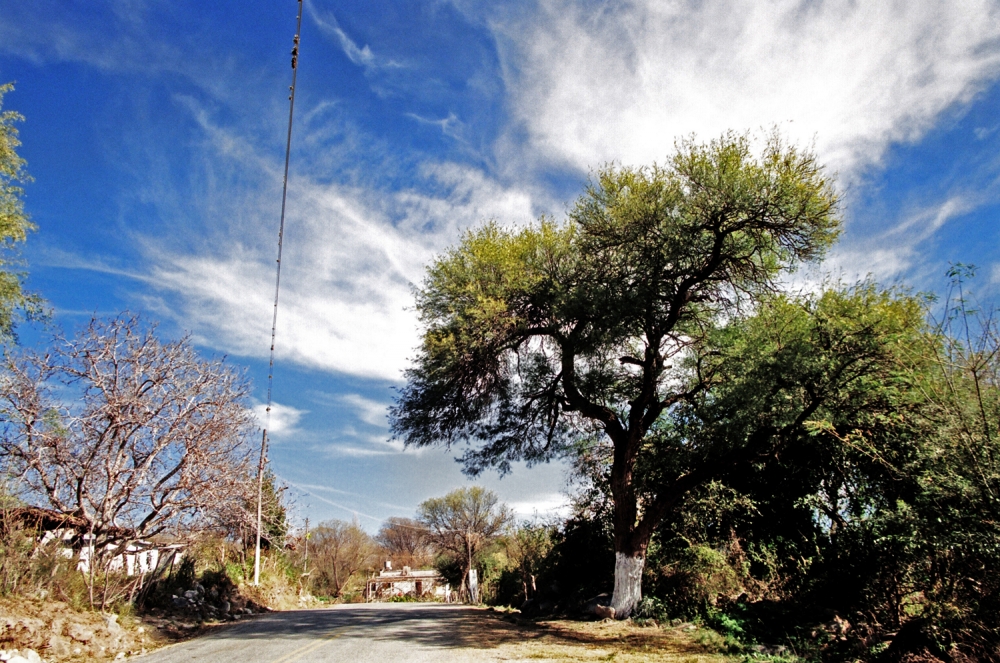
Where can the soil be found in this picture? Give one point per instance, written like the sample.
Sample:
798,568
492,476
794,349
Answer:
620,641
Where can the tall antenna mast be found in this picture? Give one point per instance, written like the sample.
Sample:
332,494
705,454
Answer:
277,286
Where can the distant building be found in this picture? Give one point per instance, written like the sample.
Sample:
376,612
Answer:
420,584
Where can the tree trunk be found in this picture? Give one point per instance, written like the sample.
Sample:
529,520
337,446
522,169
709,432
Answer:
628,583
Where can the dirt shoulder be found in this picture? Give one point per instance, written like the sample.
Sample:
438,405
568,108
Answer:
59,633
562,640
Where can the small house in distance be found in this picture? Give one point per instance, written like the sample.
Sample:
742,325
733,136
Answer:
426,584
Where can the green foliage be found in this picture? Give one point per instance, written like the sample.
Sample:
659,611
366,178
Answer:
14,226
462,524
536,339
648,254
274,513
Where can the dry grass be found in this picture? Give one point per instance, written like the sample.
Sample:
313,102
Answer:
513,639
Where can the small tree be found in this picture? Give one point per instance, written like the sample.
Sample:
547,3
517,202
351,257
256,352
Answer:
338,552
527,548
462,523
128,435
14,224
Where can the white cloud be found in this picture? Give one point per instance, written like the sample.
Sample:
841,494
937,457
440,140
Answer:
351,256
895,252
542,506
367,410
619,81
283,421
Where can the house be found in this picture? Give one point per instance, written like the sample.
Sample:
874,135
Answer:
425,583
71,534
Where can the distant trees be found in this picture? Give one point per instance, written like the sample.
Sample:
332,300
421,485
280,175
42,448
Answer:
130,435
405,542
339,553
462,523
14,224
537,338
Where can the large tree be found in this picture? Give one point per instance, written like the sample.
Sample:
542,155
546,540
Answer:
14,224
128,435
536,337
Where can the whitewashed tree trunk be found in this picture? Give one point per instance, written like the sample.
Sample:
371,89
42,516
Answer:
628,584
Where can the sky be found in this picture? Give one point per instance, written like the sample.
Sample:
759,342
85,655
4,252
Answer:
155,131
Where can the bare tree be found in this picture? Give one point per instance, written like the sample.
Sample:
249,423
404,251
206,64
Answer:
463,522
339,552
128,434
405,541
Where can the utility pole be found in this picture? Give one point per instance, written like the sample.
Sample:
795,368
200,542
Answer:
277,286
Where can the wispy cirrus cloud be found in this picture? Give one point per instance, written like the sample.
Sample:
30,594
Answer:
361,56
351,258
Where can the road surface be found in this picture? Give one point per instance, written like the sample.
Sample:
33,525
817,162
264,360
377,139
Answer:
377,632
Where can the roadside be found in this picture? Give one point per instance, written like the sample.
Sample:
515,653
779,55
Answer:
58,633
608,640
436,633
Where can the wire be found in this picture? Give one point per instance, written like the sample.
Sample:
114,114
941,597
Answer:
277,289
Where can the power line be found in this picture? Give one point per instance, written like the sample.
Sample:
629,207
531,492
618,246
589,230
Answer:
277,287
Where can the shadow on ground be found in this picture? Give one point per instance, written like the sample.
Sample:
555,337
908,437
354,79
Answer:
452,627
432,625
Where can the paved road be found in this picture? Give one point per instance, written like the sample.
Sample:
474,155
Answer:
378,632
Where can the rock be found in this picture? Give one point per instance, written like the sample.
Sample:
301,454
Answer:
589,607
32,656
191,594
111,621
119,656
179,602
604,611
80,633
17,658
57,646
224,607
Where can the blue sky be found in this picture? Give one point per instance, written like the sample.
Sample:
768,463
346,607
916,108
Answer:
155,132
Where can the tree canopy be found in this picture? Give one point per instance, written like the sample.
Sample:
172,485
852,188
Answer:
462,522
14,224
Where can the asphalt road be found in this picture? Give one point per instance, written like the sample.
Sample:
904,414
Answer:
378,632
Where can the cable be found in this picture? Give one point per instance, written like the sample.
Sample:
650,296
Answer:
277,287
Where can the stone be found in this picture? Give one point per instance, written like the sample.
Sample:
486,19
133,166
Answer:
32,656
80,633
17,658
111,621
57,626
191,594
119,656
604,611
224,607
58,646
